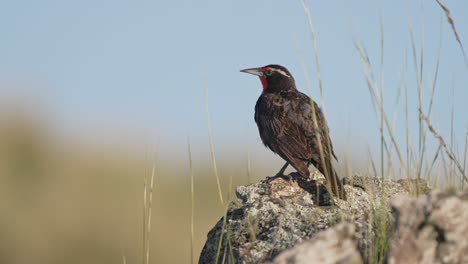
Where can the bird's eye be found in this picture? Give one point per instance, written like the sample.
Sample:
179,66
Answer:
269,72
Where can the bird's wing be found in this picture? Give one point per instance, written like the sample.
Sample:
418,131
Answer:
302,114
278,132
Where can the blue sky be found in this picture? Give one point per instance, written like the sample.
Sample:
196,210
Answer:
139,69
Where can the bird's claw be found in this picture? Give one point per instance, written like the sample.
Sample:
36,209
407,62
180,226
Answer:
285,177
270,178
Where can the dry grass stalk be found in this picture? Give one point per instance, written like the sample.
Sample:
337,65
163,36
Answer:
327,170
192,201
449,152
452,24
212,152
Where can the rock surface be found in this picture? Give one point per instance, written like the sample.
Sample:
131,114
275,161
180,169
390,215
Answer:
272,216
334,245
431,229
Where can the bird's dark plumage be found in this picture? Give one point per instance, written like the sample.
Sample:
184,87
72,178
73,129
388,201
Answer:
285,120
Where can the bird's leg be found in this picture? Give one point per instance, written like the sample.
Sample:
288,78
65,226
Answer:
280,173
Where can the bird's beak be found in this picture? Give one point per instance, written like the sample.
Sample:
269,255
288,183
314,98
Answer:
254,71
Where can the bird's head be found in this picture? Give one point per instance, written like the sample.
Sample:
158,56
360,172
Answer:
274,78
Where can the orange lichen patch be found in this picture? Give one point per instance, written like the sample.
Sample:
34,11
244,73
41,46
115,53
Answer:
281,188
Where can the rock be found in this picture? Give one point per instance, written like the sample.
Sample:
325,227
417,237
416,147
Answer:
415,186
431,229
335,245
272,216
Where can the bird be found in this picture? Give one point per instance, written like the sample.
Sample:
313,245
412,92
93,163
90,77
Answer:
293,126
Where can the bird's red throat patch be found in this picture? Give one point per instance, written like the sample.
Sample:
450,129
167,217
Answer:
264,83
263,79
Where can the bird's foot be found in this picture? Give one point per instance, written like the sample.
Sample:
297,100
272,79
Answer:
279,175
317,177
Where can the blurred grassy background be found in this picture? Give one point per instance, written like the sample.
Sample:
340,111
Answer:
65,200
69,202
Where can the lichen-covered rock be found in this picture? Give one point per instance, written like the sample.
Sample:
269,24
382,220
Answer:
431,229
274,215
334,245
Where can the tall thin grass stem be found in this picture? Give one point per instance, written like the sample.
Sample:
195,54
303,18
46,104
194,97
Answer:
212,151
192,201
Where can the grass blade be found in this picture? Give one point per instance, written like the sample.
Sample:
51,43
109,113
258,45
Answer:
212,152
192,201
452,24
